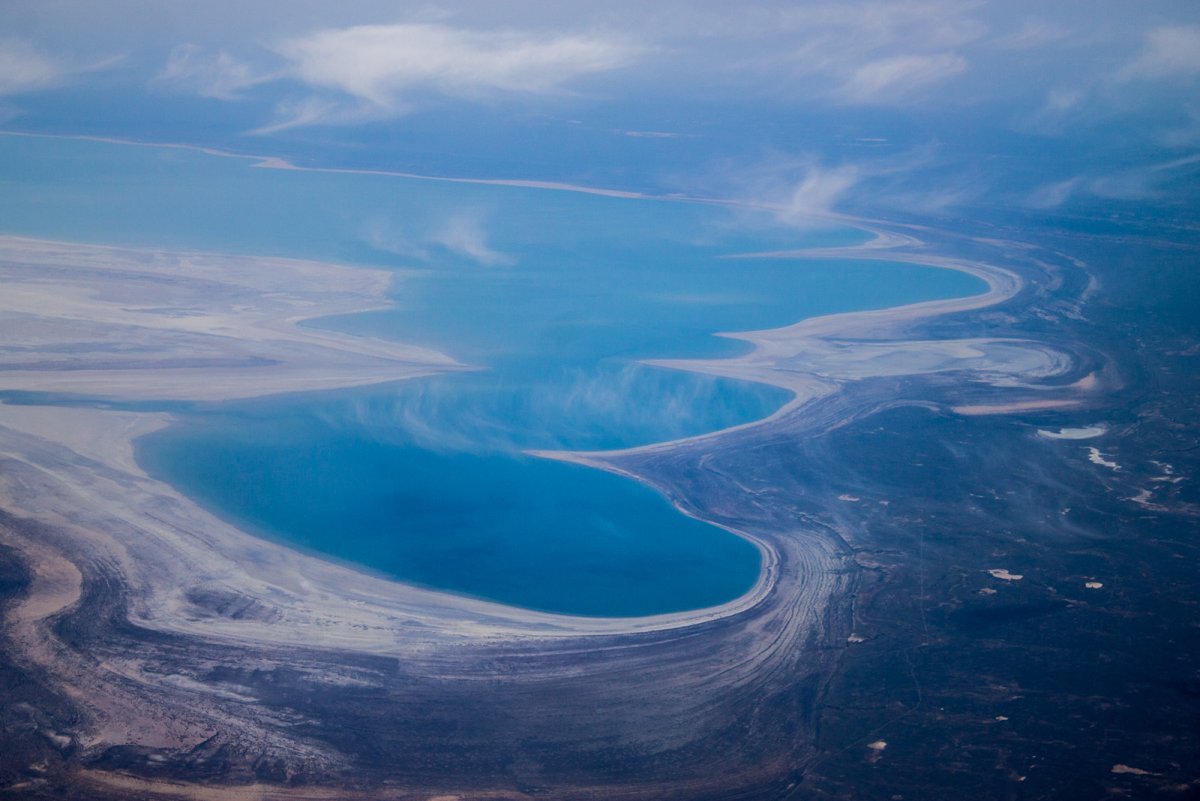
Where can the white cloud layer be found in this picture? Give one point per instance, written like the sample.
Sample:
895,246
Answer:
1114,77
381,64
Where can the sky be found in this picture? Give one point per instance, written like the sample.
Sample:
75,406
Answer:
925,106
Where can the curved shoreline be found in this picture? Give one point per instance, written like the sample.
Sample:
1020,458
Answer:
761,364
768,344
162,571
753,366
771,345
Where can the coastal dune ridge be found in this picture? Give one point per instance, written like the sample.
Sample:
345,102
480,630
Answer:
100,538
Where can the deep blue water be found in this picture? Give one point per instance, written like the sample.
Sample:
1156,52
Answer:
497,525
554,296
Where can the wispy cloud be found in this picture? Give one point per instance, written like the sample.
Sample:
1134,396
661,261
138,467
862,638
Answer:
872,53
804,189
210,74
23,68
818,191
1033,33
1135,183
382,66
1141,183
925,25
366,73
568,407
1151,66
1060,109
656,134
799,190
895,79
463,234
1054,194
386,237
1186,133
314,110
1169,52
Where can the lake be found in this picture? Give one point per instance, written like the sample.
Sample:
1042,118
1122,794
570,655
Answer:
553,296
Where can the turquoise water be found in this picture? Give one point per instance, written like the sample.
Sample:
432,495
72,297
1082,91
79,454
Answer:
554,296
497,525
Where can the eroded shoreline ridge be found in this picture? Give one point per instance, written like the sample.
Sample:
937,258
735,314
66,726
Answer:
185,615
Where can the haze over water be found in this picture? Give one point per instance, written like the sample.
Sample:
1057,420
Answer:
553,296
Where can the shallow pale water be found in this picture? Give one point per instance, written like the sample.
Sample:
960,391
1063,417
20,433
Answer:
555,296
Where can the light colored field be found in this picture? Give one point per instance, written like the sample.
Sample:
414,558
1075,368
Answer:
144,324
